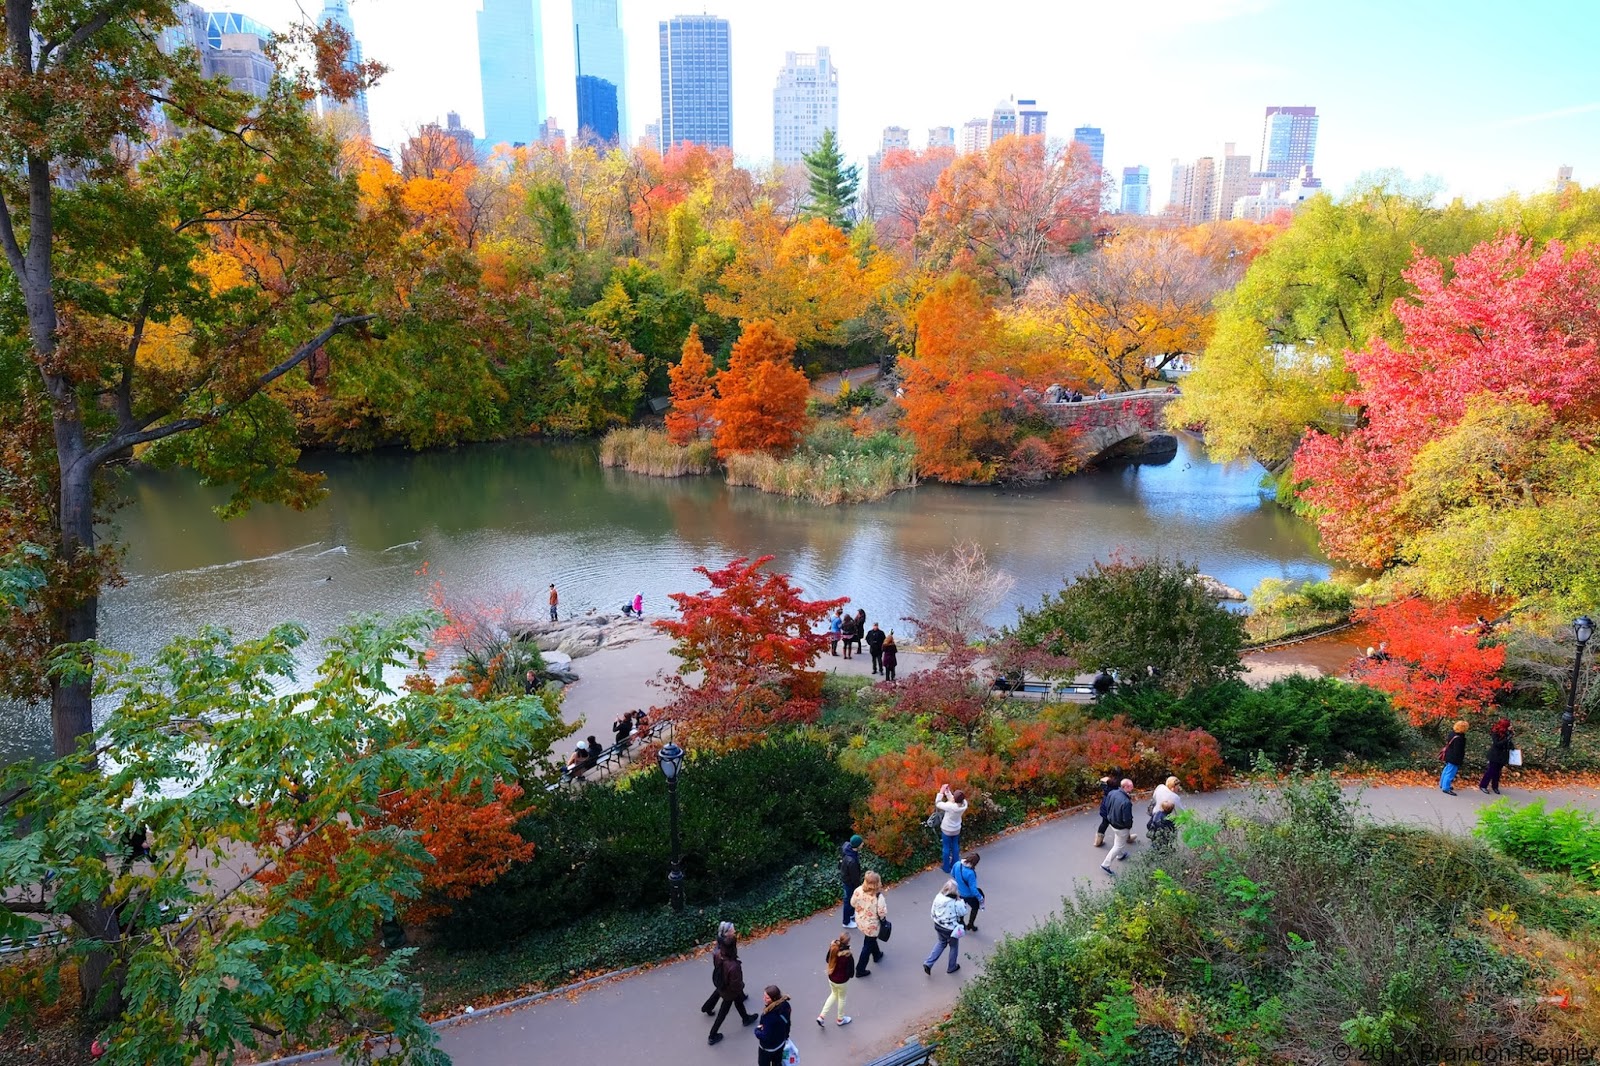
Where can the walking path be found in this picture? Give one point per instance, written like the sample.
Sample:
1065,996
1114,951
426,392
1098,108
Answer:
654,1016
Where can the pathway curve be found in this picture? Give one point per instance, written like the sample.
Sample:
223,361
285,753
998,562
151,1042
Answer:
654,1016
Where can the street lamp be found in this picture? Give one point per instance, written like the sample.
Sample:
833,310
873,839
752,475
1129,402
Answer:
671,760
1582,629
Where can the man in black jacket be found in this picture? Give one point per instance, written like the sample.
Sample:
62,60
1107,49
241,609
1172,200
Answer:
850,875
1119,812
875,646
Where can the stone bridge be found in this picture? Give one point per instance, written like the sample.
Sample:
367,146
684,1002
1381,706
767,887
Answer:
1109,425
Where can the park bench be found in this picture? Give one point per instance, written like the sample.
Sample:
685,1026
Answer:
1050,691
616,756
912,1053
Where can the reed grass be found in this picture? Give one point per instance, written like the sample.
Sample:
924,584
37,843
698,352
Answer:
831,467
649,451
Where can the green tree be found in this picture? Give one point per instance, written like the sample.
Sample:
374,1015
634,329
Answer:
195,947
1136,615
833,184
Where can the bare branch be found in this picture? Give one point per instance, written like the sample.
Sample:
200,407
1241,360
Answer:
26,906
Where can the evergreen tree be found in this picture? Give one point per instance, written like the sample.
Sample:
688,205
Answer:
833,185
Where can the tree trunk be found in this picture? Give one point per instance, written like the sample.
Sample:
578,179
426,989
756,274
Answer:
78,619
100,975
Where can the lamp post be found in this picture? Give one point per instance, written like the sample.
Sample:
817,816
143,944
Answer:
671,760
1582,629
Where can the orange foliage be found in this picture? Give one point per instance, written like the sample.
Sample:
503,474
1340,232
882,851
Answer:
761,404
692,398
1436,670
903,789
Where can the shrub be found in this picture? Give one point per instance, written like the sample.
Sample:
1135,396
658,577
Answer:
649,451
604,847
1321,721
1563,839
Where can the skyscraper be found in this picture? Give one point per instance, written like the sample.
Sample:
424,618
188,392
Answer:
1233,184
601,58
875,201
1288,141
236,49
805,102
942,137
974,135
1031,118
1094,139
1003,122
1136,190
511,67
338,13
1194,190
696,81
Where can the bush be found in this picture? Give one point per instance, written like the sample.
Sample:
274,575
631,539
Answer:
1562,839
604,847
1321,721
832,465
650,451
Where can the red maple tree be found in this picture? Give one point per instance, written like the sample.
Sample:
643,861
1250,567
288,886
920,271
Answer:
1508,324
1436,668
761,404
753,638
692,396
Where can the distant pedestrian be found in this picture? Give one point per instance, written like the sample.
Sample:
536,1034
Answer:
841,967
948,915
1167,790
891,656
861,628
1162,829
966,878
622,729
1453,755
875,647
953,804
772,1031
849,634
595,750
872,918
835,631
727,981
638,604
1102,685
1119,813
850,875
1108,785
554,600
1500,745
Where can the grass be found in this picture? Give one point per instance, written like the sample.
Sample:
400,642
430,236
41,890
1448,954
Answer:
831,466
649,451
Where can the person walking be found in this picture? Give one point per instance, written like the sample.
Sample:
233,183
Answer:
890,656
875,647
850,876
966,878
1453,755
1162,829
1119,813
1500,745
772,1030
1108,785
554,600
948,914
953,803
841,967
872,918
638,605
727,982
835,631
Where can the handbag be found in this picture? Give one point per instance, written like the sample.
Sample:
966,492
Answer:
1515,758
935,819
958,932
885,927
791,1054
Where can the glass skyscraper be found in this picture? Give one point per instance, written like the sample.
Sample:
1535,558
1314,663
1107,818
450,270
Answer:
602,68
1094,139
1136,190
511,68
1288,141
338,13
696,82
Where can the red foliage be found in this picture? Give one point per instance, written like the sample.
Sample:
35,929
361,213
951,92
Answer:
1508,324
754,638
692,398
1436,670
903,789
947,695
471,843
761,406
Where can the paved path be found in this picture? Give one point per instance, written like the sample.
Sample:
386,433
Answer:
654,1016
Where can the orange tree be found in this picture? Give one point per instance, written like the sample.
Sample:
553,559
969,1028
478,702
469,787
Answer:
753,638
692,398
1436,668
761,402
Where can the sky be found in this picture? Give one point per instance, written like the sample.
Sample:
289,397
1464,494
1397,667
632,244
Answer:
1486,96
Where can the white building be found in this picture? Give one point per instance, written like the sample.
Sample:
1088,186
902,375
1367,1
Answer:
974,136
804,104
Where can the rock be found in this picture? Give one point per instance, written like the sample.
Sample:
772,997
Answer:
1217,590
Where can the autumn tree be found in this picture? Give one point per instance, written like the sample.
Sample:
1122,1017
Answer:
692,396
1437,669
833,184
761,397
753,638
908,180
228,768
1510,326
1133,307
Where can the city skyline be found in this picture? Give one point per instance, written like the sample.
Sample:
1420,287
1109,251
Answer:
1197,74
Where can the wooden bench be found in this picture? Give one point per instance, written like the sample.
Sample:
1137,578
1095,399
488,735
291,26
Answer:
1048,690
616,756
913,1053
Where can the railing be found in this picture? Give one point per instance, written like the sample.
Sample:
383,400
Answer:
1117,397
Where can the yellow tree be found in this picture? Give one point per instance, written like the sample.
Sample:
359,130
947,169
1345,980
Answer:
808,278
761,404
692,396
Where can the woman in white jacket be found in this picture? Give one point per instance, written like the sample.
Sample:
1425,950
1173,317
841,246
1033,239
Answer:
952,805
949,913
